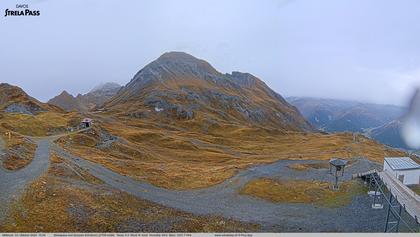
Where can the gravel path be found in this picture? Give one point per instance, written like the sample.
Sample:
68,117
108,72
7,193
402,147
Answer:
1,146
12,183
2,151
223,199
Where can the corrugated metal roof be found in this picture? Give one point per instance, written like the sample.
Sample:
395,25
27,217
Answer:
401,163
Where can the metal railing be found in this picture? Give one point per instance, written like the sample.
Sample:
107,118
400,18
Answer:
394,209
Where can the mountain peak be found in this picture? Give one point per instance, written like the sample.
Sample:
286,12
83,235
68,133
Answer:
14,100
180,86
65,101
82,103
4,85
8,91
107,86
173,66
177,55
65,93
181,62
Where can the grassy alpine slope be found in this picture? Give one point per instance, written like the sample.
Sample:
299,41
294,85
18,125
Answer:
181,124
68,199
177,158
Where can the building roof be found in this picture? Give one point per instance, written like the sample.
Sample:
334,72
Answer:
338,162
401,163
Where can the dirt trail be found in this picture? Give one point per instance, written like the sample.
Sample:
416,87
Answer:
13,183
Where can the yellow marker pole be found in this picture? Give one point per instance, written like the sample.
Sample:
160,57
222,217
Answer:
9,134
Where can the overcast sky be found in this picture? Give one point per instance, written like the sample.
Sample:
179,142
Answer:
366,50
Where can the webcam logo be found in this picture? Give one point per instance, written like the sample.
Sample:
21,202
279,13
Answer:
21,10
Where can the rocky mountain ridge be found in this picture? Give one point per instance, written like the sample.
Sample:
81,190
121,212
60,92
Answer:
178,85
14,100
83,103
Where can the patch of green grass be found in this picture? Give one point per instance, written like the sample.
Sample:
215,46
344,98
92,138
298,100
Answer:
300,191
344,196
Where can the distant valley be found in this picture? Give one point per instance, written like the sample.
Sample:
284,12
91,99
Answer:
380,122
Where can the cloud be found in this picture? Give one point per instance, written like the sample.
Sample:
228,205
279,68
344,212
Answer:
395,85
297,47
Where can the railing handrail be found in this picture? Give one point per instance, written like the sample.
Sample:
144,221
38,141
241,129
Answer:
396,214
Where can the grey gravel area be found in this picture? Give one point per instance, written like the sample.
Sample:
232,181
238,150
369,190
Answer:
2,152
282,171
224,200
1,146
163,225
13,183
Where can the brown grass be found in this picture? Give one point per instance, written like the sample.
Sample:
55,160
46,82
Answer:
63,168
298,191
58,203
181,155
168,157
19,152
42,124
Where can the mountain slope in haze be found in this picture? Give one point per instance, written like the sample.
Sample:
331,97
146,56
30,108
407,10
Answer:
67,102
181,87
363,116
340,115
99,95
320,112
83,103
14,100
389,134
